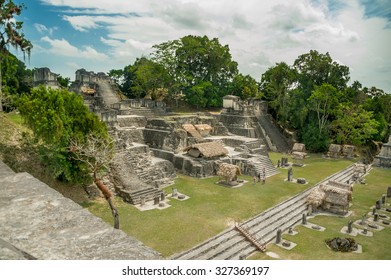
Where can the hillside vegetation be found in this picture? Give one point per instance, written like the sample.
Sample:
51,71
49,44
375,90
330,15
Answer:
17,151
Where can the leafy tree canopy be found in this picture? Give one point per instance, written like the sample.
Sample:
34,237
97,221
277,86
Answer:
56,117
199,67
11,34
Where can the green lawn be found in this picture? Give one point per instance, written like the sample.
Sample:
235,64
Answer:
211,207
377,247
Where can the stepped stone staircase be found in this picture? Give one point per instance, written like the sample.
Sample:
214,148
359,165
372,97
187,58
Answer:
233,245
136,196
37,222
264,162
256,146
107,93
274,138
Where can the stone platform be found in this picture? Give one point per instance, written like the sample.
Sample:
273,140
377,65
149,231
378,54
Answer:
37,222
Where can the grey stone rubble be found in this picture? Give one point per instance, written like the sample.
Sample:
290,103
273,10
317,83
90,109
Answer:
37,222
231,245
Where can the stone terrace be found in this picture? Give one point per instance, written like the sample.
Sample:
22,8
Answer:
37,222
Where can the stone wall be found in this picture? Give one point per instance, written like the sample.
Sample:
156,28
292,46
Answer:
135,168
84,76
45,77
200,168
239,124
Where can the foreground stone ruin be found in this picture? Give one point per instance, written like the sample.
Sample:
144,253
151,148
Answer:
37,222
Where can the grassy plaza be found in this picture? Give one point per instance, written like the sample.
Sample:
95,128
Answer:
213,208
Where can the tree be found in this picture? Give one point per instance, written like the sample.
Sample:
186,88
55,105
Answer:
149,78
16,79
117,75
64,82
194,64
354,125
11,33
323,99
276,84
96,152
245,87
74,143
314,69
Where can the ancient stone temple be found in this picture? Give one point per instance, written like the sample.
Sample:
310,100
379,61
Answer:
384,157
85,76
43,76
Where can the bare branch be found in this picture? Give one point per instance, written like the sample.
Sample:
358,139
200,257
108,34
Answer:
95,151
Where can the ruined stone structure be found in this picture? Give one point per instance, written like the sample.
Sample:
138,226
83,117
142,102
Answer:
332,196
298,154
43,76
144,107
37,222
337,151
88,77
384,157
250,119
151,145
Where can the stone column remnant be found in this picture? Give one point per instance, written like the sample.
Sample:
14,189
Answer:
278,237
304,219
350,228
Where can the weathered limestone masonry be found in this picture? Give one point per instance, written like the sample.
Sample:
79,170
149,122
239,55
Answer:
37,222
167,139
141,127
384,158
250,119
98,91
45,77
135,168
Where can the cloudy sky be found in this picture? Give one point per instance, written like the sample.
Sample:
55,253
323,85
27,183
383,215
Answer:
101,35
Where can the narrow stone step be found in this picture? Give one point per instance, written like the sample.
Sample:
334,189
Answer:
206,246
233,249
223,247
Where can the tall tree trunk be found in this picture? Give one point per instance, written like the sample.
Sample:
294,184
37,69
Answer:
108,196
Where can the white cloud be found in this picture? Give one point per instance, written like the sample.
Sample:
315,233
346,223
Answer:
40,28
43,29
259,33
63,48
81,23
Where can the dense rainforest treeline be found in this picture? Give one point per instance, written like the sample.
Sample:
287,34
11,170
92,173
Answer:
313,97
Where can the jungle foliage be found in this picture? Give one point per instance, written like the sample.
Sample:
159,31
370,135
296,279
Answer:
196,68
313,97
58,117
